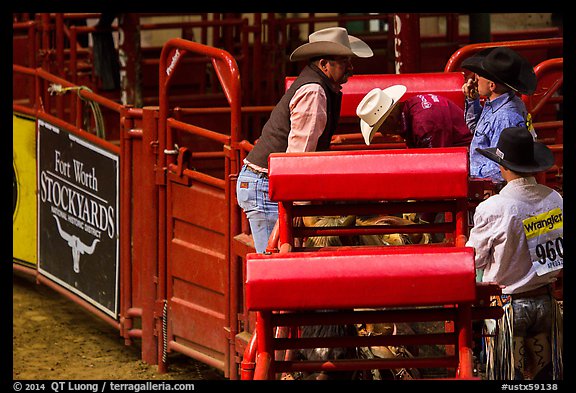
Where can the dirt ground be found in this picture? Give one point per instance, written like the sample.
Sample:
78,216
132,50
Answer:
55,339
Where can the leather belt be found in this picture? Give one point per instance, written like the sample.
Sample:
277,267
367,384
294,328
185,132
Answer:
533,293
262,174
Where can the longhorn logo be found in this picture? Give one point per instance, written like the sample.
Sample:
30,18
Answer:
78,248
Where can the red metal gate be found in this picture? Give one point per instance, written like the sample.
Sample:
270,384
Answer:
194,164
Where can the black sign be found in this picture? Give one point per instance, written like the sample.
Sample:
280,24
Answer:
78,216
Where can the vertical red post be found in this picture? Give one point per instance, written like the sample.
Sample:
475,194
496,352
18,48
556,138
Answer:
464,325
407,43
145,238
130,56
264,368
126,262
285,224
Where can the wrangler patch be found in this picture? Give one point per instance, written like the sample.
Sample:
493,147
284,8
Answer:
545,236
543,223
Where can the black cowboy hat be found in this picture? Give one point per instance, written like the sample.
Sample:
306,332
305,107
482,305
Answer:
503,65
518,151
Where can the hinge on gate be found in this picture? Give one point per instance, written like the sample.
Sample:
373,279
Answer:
227,332
154,147
160,172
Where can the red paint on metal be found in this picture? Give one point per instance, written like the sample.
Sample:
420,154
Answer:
407,45
197,276
415,278
448,84
369,175
542,44
392,276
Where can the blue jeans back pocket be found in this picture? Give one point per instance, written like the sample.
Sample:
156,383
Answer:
246,193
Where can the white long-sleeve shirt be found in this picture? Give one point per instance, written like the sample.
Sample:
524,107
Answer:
518,236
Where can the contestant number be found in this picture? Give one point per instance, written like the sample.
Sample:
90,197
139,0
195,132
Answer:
550,251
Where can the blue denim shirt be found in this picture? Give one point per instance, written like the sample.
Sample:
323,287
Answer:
486,123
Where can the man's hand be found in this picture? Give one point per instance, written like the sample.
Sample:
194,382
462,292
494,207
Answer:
470,89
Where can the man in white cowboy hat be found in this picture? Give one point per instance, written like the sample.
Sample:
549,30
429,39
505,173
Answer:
304,120
423,120
375,108
518,241
500,73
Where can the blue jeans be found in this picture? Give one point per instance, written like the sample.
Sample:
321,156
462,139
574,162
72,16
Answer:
532,315
252,196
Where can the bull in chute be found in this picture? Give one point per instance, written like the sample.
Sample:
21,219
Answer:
389,239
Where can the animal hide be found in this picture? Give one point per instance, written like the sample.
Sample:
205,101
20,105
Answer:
393,239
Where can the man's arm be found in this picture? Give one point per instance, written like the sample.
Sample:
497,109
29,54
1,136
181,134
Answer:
308,118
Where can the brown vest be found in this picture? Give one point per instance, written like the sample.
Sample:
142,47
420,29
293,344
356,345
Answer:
274,138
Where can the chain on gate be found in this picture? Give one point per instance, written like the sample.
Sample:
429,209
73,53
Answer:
195,363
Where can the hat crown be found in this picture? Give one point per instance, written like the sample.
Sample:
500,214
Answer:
331,41
503,63
331,34
516,146
373,106
518,151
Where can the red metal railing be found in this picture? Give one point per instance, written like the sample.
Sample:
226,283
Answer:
543,44
550,75
128,119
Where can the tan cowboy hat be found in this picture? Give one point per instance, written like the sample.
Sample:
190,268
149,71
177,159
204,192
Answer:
332,41
375,108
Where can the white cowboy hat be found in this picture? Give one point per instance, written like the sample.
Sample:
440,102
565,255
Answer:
375,108
332,41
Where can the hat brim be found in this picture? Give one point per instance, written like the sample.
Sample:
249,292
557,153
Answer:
368,131
475,64
395,93
358,48
543,159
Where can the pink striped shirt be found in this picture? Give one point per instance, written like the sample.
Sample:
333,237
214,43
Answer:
308,118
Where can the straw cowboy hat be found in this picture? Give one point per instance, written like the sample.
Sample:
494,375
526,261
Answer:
332,41
518,151
503,65
375,108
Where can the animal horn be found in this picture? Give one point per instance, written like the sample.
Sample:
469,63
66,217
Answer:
63,234
349,221
83,248
310,221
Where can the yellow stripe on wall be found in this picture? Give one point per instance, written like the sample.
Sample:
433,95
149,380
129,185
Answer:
24,213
